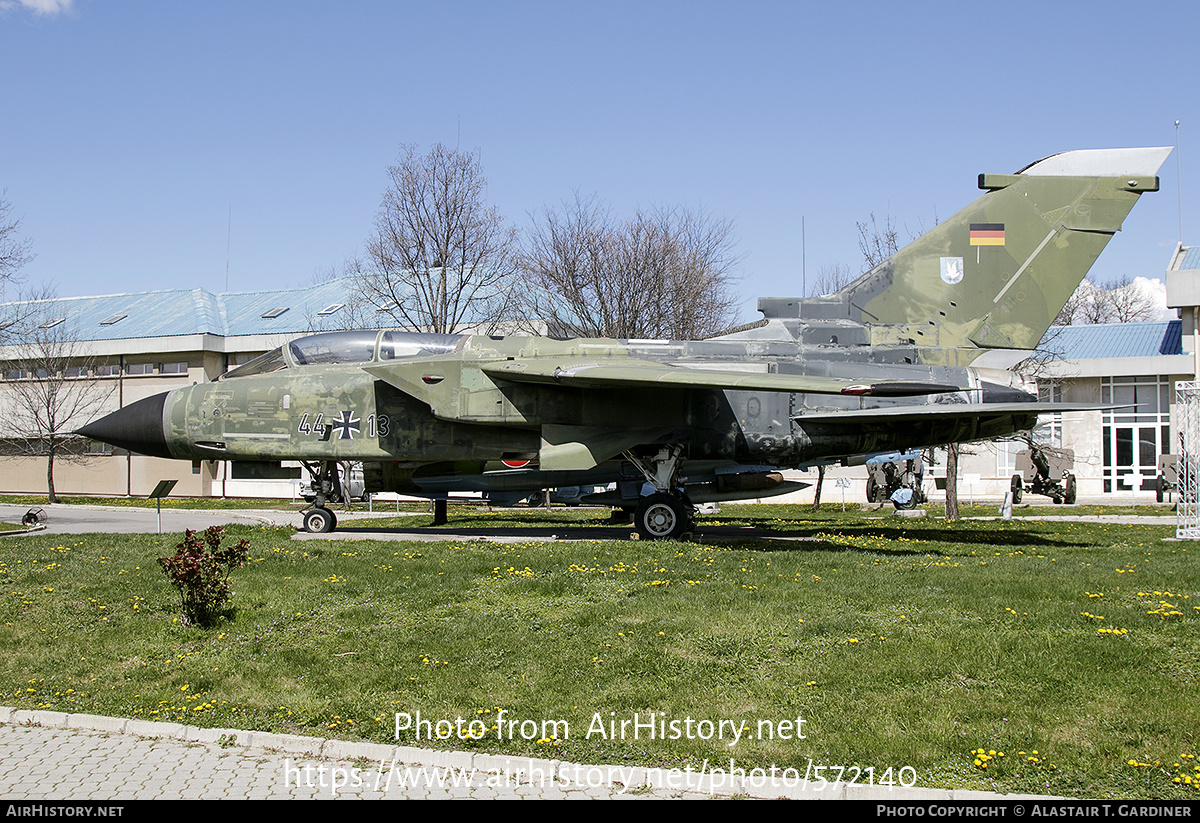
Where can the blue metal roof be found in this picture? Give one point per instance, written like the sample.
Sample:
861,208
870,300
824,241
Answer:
1191,258
1117,340
243,311
189,311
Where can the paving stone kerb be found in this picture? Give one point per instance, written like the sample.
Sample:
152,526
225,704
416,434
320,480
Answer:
54,755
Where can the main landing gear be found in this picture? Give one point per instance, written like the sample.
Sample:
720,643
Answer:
667,513
318,518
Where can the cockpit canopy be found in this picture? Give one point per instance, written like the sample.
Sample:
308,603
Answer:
349,347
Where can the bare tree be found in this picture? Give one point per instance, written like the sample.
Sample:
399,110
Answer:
50,390
15,251
952,452
1115,301
877,243
440,258
831,277
816,505
664,273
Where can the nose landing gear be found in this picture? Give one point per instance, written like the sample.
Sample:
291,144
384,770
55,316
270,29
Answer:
327,485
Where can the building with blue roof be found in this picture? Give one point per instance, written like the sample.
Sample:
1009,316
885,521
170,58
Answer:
1105,341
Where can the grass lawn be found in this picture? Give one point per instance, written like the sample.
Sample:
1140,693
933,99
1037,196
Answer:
1066,652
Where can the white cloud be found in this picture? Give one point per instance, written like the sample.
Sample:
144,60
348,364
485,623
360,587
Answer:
1156,290
39,6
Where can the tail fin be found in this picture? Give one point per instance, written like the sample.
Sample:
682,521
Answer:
997,273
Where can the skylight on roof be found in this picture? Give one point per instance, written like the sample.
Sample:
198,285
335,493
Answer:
332,308
115,318
275,312
49,324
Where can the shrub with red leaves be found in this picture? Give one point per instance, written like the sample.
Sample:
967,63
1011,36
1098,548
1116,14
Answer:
200,571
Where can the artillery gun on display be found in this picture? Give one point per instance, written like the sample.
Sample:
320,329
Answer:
896,477
1045,471
1167,481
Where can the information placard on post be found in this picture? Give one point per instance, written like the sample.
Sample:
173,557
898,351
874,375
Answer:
160,491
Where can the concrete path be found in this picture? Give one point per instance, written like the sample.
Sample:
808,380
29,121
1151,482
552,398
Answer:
55,756
70,519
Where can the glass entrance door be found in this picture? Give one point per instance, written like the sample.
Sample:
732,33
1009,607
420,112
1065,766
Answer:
1137,433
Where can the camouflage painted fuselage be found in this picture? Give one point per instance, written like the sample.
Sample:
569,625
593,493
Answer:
447,407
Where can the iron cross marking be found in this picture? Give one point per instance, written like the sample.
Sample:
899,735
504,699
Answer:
347,424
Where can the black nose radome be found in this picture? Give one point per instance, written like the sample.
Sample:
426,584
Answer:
138,427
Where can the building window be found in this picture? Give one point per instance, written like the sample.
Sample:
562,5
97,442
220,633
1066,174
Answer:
134,369
174,368
96,447
107,370
1137,433
1006,456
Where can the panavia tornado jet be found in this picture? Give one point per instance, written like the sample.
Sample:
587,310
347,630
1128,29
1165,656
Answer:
884,365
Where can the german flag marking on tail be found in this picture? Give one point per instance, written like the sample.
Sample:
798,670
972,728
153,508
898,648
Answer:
987,234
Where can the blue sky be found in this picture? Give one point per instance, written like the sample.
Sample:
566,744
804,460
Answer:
131,131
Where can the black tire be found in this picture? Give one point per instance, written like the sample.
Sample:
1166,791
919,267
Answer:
873,490
911,504
1070,493
662,517
1018,486
319,521
1159,483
